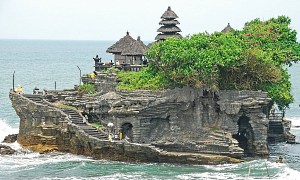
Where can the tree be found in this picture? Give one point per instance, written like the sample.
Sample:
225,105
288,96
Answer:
254,58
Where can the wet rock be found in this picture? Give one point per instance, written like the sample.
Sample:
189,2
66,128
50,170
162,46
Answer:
6,150
10,138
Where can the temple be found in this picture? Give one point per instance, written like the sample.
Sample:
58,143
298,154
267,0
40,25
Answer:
168,26
128,55
227,28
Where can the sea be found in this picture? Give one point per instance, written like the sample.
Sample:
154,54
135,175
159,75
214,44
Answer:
50,64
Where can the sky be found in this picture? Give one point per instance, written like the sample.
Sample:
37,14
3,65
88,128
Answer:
110,20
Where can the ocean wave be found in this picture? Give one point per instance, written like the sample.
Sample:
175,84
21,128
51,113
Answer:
295,121
22,161
6,129
255,169
287,174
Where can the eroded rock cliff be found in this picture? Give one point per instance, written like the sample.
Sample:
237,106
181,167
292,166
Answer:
180,125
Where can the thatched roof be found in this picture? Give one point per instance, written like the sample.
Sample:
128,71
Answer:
227,28
142,43
168,22
169,29
169,14
168,26
165,36
122,44
138,48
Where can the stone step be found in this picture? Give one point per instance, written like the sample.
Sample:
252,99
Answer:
77,119
94,133
91,131
79,123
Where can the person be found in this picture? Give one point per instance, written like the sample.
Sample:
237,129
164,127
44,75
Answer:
110,126
36,90
93,75
110,137
280,160
120,135
84,119
19,89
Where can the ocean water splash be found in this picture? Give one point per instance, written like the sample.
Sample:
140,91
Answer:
295,121
6,129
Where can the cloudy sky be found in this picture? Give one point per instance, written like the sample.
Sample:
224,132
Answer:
109,20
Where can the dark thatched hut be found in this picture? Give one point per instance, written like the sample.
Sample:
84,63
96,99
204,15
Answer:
168,26
227,28
128,51
134,53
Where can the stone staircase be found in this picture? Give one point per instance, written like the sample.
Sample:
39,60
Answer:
73,116
77,119
37,98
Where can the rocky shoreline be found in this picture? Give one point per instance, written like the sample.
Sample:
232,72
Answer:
7,150
182,125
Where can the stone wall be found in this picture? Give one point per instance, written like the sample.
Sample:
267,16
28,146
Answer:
104,81
44,127
186,119
194,120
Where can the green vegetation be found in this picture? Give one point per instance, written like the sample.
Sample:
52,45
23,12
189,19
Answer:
254,58
145,79
86,89
112,69
96,124
61,105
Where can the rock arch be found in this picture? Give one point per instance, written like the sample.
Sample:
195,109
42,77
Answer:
127,130
245,135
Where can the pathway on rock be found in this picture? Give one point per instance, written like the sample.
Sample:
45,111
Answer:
73,116
77,119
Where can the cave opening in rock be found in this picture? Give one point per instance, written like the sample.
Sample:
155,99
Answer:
127,130
245,135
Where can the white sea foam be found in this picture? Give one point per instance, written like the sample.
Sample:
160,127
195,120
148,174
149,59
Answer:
20,161
287,174
6,129
295,121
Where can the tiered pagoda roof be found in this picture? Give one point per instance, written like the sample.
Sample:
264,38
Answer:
227,28
168,28
127,46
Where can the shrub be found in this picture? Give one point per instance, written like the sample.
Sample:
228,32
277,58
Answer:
253,58
86,89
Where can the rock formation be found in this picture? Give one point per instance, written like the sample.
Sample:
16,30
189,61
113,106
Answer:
182,125
11,138
6,150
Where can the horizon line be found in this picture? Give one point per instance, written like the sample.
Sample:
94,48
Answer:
61,39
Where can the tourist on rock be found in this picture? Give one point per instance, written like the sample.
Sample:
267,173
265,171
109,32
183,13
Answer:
110,137
110,126
120,135
19,89
93,75
36,90
84,119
